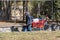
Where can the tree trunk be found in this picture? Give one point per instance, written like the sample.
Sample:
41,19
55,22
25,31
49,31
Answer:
38,14
8,9
25,9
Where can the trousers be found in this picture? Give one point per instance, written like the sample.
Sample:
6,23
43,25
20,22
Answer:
27,28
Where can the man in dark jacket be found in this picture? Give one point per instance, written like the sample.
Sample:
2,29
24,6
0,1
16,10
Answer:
28,21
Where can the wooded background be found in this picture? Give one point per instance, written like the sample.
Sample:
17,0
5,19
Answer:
41,8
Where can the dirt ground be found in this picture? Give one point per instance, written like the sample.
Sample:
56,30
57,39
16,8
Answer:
9,24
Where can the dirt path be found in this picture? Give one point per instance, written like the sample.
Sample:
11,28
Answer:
8,24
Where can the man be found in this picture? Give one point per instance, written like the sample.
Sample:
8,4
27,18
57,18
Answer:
28,21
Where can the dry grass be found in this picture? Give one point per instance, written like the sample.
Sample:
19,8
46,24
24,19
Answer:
36,35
